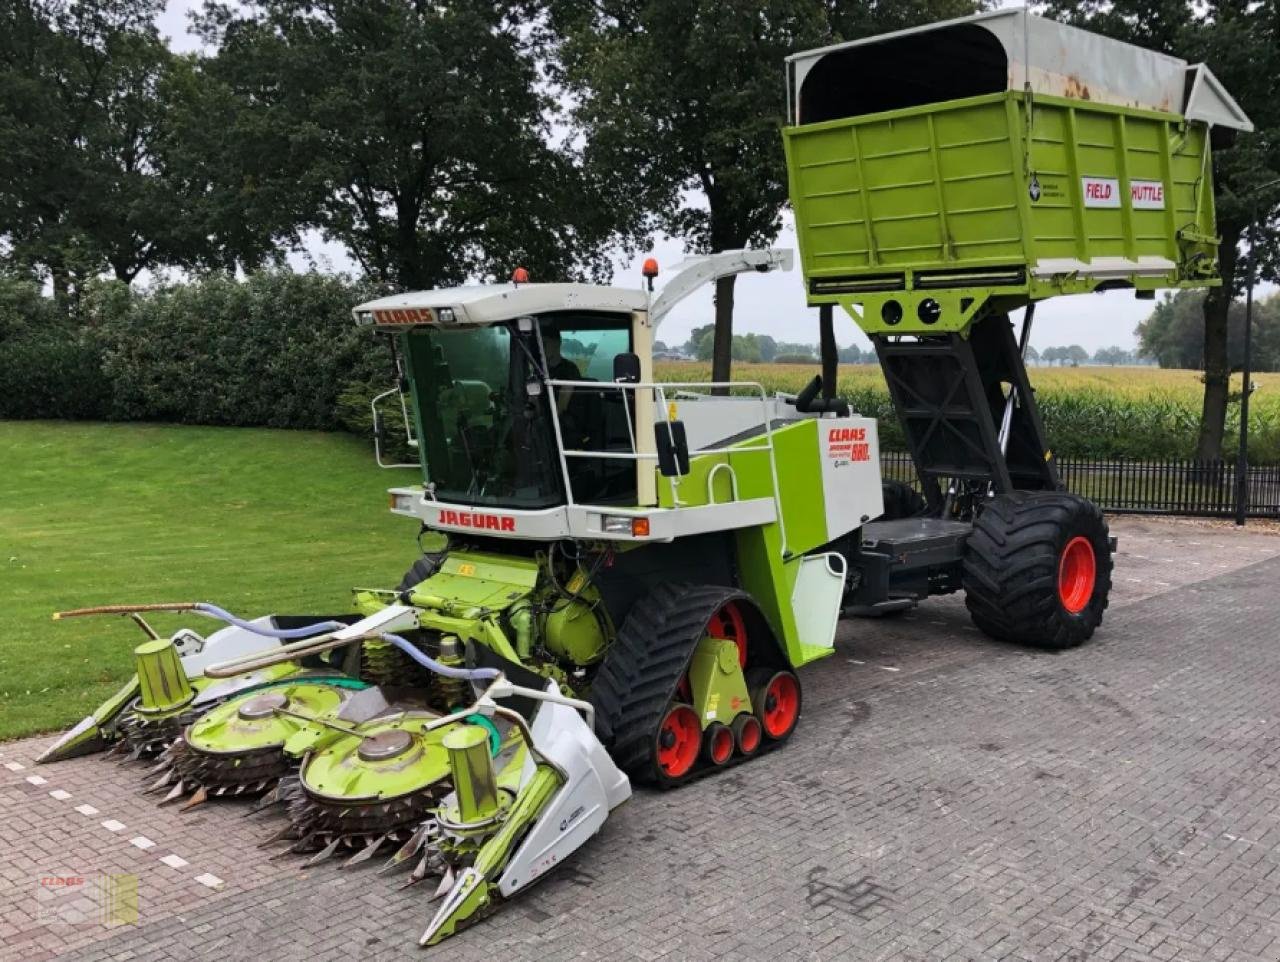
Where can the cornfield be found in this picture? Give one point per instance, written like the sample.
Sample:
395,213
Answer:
1089,412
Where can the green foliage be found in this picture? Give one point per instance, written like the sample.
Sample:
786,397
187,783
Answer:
49,367
84,116
418,135
53,372
1073,355
1115,355
274,350
1173,335
746,347
679,96
255,520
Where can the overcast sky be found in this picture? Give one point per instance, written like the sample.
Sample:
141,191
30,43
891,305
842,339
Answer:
774,303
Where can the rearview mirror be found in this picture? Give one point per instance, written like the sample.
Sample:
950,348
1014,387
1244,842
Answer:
673,448
626,368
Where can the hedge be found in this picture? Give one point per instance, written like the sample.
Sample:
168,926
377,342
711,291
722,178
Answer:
277,349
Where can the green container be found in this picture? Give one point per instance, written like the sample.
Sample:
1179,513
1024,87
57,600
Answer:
916,219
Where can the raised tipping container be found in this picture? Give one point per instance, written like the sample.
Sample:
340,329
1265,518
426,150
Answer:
995,160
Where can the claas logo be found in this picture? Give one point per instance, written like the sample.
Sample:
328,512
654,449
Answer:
403,315
848,444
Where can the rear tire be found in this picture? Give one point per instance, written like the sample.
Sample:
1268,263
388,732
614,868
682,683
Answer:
901,501
1037,569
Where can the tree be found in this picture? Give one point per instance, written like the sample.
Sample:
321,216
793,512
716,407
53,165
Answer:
1113,356
82,118
1051,354
1241,43
417,135
1173,335
696,337
1032,354
686,96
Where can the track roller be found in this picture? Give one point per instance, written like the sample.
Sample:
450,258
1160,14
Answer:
717,744
775,696
747,734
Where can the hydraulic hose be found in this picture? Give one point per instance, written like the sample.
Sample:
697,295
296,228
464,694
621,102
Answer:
213,611
429,663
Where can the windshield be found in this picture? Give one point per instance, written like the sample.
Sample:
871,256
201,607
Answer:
484,438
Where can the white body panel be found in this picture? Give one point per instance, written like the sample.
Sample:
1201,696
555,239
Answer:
709,420
489,303
584,521
816,598
849,452
223,645
593,788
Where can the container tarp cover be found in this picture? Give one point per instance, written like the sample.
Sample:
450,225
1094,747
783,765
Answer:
1046,56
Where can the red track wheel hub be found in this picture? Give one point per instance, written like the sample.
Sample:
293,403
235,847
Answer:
1077,574
727,623
717,743
747,734
777,704
679,737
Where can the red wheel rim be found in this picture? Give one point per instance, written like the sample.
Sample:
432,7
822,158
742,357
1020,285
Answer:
727,623
678,738
1077,574
721,744
749,735
781,705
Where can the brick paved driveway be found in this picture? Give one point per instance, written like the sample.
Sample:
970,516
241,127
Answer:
945,798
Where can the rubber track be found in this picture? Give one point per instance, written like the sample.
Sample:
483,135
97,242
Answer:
645,663
1010,571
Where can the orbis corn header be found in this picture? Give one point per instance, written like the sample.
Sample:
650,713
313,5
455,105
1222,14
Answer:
621,578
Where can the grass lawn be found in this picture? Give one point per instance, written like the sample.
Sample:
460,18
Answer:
91,514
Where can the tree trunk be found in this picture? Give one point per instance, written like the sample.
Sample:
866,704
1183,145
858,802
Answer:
408,253
1217,369
722,343
827,350
61,278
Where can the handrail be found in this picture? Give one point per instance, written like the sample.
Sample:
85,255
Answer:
377,430
660,390
733,481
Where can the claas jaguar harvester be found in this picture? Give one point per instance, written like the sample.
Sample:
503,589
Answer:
620,578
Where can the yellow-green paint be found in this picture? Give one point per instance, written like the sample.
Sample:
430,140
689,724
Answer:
718,686
163,682
993,183
474,781
768,569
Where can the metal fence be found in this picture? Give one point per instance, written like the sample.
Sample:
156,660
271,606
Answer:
1198,489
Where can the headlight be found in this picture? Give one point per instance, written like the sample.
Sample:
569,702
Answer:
626,525
402,502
